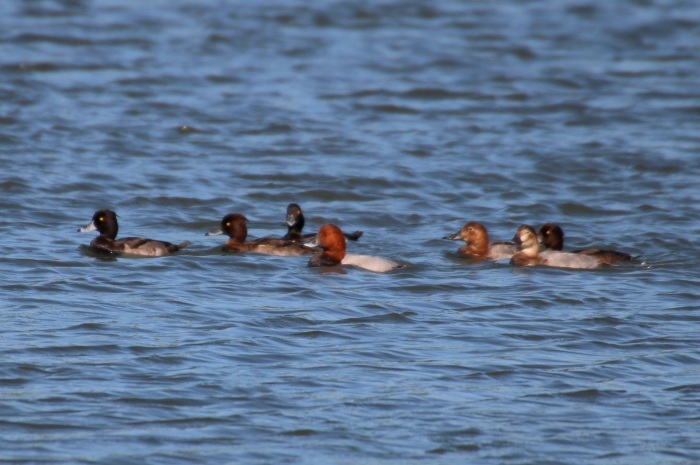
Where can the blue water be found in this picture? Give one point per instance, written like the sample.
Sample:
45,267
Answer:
403,119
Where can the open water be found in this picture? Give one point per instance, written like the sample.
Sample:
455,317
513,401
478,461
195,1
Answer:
404,119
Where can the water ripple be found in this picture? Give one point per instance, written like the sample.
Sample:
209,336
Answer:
401,119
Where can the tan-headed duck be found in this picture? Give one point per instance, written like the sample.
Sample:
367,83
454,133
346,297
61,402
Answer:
530,254
105,222
234,226
478,245
552,237
331,240
295,223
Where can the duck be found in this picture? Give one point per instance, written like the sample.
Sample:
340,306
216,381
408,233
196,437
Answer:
552,237
234,226
478,245
295,224
105,222
530,254
331,240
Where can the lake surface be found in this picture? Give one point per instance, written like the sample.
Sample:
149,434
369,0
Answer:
404,119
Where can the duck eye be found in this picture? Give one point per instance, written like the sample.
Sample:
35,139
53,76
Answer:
470,228
228,224
298,212
101,219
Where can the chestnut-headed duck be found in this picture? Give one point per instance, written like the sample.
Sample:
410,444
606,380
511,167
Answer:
552,237
530,254
105,222
234,226
295,223
331,240
478,245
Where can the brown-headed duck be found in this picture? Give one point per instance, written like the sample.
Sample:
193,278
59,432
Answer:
331,240
295,223
105,222
478,245
552,237
530,254
234,226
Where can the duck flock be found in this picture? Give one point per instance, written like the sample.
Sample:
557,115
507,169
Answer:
328,245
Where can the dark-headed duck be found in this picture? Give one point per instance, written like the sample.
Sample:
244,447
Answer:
478,245
331,240
234,226
530,254
295,223
552,237
105,222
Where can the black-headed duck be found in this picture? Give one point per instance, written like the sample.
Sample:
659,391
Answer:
295,224
552,237
105,222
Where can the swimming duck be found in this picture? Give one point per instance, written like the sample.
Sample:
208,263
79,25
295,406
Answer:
530,254
478,245
331,240
234,226
105,222
295,223
552,236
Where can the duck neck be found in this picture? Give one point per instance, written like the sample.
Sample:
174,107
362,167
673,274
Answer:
111,235
336,255
298,225
555,243
479,248
531,250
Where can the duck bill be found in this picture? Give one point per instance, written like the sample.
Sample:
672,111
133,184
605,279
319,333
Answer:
291,220
88,227
454,237
311,243
516,239
215,232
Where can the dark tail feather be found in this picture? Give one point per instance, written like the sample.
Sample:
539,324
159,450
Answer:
353,236
176,247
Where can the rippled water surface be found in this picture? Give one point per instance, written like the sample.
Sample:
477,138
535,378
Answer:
404,119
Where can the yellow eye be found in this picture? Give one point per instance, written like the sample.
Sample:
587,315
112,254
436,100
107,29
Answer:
102,218
228,224
548,232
